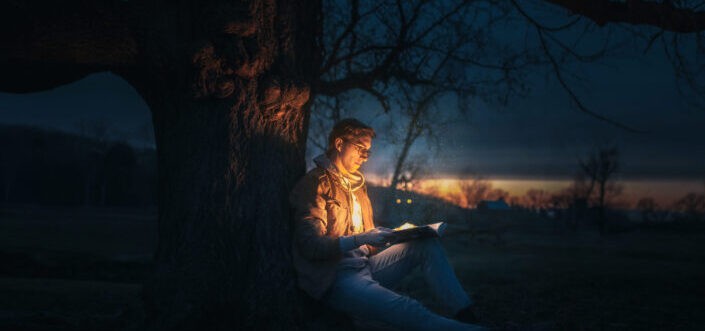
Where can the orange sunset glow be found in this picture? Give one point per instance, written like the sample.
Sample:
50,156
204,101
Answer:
664,192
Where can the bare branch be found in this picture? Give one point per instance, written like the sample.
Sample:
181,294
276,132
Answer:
541,26
354,19
663,14
381,98
558,73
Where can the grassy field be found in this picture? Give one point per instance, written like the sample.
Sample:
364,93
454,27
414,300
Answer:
73,269
67,269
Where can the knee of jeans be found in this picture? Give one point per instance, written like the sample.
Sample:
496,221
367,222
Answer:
426,245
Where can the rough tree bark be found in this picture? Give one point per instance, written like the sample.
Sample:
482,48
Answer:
228,85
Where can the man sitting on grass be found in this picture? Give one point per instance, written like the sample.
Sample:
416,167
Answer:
338,252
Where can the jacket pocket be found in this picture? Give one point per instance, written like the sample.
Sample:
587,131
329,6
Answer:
337,217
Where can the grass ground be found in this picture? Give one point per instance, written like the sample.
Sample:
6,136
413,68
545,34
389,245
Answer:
81,270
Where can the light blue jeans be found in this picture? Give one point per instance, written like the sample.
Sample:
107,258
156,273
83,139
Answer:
365,293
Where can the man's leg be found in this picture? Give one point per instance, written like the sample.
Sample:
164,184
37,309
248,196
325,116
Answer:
392,264
357,294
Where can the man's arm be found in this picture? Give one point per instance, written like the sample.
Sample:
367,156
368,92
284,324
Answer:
310,220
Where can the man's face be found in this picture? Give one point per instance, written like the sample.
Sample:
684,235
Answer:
353,152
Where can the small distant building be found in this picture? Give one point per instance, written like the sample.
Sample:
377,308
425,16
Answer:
498,204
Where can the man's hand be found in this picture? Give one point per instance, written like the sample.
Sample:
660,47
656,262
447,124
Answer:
378,236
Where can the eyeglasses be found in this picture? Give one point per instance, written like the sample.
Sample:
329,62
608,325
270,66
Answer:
361,150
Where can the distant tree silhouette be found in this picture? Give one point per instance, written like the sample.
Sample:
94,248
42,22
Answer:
514,201
479,189
647,207
537,199
563,199
475,191
692,205
50,167
600,168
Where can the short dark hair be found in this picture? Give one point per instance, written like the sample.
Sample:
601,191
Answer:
348,129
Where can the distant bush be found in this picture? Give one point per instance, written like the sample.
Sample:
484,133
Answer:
56,168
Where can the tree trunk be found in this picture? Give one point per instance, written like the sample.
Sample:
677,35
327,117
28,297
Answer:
228,84
223,252
230,113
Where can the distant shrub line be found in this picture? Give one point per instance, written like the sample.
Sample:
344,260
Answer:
56,168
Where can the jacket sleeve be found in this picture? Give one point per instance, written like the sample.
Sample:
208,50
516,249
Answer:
310,220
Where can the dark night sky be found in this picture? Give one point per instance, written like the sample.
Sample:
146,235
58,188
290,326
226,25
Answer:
100,97
543,135
540,136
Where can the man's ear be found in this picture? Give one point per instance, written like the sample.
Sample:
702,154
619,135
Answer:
339,144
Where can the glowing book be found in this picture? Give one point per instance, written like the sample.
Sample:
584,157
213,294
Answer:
408,232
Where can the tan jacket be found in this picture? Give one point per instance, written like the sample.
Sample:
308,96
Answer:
322,214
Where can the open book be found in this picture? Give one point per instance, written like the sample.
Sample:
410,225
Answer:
408,232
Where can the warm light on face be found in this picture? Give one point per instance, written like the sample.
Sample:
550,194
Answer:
350,155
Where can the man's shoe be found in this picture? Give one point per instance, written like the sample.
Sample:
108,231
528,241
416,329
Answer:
466,315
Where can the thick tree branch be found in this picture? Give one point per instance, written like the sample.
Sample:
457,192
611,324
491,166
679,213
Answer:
364,81
662,14
47,44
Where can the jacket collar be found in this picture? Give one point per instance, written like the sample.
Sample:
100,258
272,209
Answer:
356,180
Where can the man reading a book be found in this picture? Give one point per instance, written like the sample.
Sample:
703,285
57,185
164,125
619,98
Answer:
346,262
